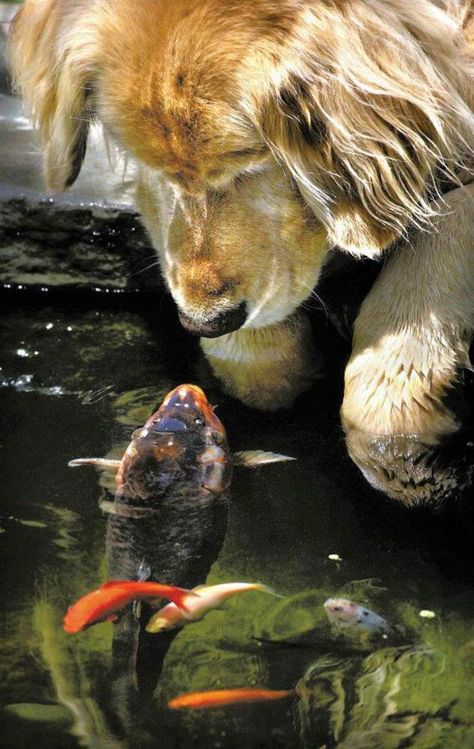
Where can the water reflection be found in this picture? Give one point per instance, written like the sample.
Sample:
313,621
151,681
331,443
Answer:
174,541
174,545
75,688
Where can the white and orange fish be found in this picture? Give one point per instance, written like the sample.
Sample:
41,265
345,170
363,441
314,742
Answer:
206,598
347,614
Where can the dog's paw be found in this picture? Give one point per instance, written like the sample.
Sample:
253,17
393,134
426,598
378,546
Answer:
414,473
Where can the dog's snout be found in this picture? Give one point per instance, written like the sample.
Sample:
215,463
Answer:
201,280
222,323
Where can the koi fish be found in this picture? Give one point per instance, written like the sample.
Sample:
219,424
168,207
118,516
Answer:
221,697
165,439
168,516
344,613
206,597
102,604
169,511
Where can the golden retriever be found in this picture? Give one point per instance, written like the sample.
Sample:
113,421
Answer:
268,132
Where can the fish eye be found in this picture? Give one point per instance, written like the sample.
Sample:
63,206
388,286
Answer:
365,613
199,421
218,438
337,608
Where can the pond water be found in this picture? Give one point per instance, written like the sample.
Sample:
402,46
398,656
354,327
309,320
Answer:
76,381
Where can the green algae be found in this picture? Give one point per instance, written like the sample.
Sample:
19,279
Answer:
133,407
38,713
71,671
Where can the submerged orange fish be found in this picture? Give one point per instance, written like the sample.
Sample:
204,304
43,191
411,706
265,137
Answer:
102,604
221,697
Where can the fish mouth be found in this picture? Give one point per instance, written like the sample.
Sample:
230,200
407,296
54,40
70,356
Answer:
335,606
185,409
190,396
192,399
341,611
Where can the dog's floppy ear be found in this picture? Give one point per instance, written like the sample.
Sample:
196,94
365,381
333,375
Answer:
367,105
52,72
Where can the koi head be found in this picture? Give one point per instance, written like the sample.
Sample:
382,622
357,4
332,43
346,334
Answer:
185,408
183,436
341,611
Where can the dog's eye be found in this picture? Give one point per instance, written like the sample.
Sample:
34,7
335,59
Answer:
239,179
245,152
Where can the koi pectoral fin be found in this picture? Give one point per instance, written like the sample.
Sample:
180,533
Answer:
254,458
111,465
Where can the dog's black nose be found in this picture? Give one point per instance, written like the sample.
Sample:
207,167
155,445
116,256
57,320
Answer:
225,322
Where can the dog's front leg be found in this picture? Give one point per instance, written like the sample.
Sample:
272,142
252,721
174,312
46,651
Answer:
265,368
403,404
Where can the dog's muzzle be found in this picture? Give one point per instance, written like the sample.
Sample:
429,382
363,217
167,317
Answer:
224,322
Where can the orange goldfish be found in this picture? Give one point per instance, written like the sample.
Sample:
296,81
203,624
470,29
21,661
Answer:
221,697
102,604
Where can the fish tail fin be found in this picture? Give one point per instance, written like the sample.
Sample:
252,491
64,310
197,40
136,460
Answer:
302,693
262,588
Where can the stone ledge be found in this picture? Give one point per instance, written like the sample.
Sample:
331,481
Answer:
89,236
51,241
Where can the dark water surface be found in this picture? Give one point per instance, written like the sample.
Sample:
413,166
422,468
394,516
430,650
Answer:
76,383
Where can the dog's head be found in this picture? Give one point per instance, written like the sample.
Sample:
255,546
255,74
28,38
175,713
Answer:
264,131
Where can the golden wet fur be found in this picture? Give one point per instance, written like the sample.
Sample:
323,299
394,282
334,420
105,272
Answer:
267,132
